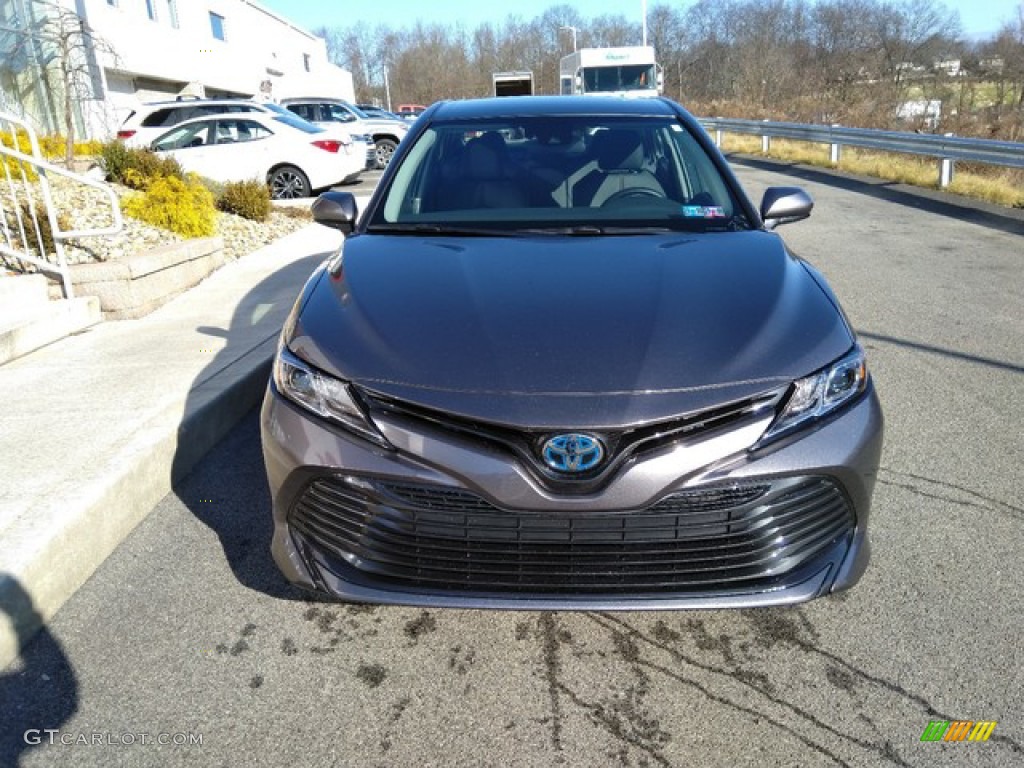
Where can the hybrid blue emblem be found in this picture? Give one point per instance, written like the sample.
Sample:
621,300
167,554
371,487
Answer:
573,453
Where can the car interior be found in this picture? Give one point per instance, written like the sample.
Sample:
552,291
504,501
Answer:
630,170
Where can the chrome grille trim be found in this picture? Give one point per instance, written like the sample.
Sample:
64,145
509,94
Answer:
622,445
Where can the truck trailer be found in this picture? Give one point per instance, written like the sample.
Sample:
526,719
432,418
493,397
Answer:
629,71
513,83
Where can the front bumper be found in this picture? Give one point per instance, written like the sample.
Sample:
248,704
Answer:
448,521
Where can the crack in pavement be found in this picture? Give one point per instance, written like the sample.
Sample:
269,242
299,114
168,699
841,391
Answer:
552,670
886,751
989,503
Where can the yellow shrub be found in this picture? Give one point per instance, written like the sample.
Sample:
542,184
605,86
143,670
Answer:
183,206
14,167
52,146
91,148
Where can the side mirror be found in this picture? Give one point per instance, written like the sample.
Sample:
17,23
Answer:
784,205
337,210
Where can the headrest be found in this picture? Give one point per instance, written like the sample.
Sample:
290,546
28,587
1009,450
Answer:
484,157
619,149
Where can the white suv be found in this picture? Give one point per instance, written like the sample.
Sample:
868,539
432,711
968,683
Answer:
385,132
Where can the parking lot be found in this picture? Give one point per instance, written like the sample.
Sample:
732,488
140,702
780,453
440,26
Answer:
188,629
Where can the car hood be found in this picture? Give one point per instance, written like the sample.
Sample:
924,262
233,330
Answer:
383,125
569,332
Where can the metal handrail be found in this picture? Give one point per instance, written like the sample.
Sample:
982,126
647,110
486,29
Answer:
42,168
947,148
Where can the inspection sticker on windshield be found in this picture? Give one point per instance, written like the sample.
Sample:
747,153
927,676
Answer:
703,212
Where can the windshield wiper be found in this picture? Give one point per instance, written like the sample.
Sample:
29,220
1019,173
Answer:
438,229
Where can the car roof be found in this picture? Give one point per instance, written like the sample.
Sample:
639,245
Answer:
268,119
259,117
198,102
538,106
316,99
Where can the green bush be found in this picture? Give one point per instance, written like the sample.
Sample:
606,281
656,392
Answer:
26,223
115,158
137,168
181,205
216,187
249,199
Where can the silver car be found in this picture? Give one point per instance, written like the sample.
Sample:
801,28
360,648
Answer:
384,132
561,361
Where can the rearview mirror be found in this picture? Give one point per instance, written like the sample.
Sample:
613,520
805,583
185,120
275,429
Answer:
784,205
337,210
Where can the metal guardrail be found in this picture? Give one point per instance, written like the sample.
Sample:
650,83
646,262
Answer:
946,148
21,230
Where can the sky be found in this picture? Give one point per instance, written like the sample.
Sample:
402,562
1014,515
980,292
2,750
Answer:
980,18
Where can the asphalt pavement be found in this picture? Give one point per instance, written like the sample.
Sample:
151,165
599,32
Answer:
187,631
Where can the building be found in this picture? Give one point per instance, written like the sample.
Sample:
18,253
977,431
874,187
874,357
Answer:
134,51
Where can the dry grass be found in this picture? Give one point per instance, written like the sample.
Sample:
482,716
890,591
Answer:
994,185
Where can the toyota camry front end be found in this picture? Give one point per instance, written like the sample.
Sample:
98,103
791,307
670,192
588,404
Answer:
562,362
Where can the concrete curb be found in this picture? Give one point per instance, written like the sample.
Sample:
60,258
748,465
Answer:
132,483
100,426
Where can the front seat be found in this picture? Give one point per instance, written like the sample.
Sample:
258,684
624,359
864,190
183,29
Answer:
621,165
487,181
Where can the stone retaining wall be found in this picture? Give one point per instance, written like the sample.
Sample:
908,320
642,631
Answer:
134,286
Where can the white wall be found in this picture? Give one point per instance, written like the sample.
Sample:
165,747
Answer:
176,52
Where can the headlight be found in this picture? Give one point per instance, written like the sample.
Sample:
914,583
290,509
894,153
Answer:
821,393
324,395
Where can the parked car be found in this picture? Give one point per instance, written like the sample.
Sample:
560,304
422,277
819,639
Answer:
153,119
563,362
410,111
371,110
386,133
293,157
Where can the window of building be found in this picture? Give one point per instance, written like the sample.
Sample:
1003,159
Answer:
172,13
112,3
305,61
217,25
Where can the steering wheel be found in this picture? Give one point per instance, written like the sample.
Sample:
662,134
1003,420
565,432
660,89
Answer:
632,193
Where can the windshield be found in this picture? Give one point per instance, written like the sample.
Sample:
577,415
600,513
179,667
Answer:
297,122
356,111
628,77
582,173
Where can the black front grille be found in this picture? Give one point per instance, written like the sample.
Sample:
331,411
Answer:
433,537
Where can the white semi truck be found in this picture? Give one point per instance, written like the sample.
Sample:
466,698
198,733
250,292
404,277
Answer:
629,71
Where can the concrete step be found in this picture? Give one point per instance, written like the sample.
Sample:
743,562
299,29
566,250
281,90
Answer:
19,293
35,326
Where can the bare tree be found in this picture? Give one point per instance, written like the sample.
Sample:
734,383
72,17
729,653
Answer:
66,48
853,61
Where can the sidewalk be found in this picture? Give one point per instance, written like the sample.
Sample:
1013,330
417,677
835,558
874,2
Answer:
97,426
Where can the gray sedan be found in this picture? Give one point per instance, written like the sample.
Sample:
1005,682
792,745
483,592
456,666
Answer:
562,361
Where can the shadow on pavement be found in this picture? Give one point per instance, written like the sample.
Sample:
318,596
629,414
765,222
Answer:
1008,220
39,692
943,351
236,506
